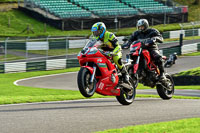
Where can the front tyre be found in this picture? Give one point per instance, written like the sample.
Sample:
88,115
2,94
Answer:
166,92
127,95
86,88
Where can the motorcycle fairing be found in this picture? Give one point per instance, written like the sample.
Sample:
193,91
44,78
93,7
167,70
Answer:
146,55
105,86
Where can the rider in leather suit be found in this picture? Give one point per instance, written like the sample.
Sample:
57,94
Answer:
111,44
144,32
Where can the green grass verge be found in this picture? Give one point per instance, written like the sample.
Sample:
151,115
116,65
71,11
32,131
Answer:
6,1
193,54
193,9
192,72
177,39
10,93
191,125
10,57
19,21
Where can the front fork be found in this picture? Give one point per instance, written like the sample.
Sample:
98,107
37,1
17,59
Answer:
136,65
93,74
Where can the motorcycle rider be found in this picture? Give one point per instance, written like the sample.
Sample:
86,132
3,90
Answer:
153,37
111,44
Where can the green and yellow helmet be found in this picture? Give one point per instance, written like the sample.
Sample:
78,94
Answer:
98,30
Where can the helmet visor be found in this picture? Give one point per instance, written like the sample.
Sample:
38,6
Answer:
96,33
141,28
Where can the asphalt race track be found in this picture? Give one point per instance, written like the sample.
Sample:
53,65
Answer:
85,116
68,81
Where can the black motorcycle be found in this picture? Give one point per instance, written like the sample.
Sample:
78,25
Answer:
171,60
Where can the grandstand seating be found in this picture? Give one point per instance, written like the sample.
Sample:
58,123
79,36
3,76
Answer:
148,6
102,8
106,7
62,8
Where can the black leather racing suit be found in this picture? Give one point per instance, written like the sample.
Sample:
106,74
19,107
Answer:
152,34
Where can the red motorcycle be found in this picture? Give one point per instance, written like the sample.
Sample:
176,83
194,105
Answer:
143,70
99,74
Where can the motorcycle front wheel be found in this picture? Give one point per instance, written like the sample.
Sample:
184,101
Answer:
164,92
86,88
127,95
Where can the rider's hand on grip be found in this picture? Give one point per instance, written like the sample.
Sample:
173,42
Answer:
147,42
109,54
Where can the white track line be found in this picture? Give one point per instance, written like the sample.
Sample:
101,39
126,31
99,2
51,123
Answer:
36,103
15,83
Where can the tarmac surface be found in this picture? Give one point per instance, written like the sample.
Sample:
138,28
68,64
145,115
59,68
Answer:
86,116
68,81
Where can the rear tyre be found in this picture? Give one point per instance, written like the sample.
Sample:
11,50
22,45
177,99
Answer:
164,92
86,88
127,95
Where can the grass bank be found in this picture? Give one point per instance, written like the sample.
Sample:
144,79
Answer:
14,23
193,9
192,72
193,54
179,126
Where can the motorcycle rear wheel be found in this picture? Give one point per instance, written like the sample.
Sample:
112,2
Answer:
86,88
166,93
127,96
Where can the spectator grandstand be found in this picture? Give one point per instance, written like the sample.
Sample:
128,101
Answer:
148,6
61,8
106,7
80,14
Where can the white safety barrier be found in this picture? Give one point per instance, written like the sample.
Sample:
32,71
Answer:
55,64
37,45
77,43
15,67
161,52
176,34
199,32
189,48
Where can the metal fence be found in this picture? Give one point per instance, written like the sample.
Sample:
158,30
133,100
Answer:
49,53
29,49
38,54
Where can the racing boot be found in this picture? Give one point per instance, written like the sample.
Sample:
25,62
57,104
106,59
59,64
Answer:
125,75
162,76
